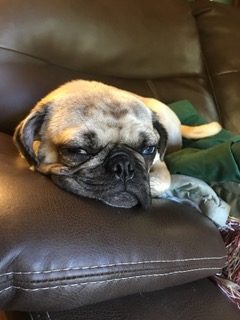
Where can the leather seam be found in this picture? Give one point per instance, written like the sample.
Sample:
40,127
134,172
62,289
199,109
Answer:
209,76
152,88
227,72
108,280
110,265
125,273
36,58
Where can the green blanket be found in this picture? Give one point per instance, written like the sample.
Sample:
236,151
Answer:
215,160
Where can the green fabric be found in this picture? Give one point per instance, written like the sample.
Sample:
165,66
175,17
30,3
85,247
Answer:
210,159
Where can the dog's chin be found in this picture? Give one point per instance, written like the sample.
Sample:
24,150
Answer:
121,200
116,198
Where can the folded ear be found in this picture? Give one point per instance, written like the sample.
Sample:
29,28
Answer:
28,131
162,145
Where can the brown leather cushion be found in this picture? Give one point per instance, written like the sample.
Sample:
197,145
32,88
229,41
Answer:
127,39
25,81
59,251
48,43
200,300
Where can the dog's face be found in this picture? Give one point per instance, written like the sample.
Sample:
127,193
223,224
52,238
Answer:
94,140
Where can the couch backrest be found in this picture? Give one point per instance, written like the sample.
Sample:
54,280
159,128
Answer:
150,47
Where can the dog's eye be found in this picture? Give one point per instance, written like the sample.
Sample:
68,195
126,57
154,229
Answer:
73,156
72,151
75,151
148,150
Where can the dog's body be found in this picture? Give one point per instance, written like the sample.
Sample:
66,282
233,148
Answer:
104,143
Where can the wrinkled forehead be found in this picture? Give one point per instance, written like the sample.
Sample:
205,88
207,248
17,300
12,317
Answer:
113,103
100,119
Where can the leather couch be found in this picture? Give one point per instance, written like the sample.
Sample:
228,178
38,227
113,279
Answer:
64,257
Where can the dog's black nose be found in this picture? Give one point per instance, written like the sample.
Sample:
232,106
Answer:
122,166
123,170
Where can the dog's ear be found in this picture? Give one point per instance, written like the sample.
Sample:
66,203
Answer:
162,145
28,131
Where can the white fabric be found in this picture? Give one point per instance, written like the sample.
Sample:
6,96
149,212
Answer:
194,192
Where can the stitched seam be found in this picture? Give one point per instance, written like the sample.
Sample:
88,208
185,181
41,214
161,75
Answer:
110,265
91,275
40,316
109,280
48,315
84,277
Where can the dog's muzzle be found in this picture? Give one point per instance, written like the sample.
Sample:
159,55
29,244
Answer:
120,180
122,167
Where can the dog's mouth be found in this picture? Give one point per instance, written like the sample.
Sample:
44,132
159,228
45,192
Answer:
128,198
121,200
115,197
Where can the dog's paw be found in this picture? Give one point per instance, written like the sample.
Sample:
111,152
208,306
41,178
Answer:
160,178
158,186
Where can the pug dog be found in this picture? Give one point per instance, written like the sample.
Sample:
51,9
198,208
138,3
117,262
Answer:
101,142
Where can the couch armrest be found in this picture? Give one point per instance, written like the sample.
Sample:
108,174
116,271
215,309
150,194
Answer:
219,31
59,251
